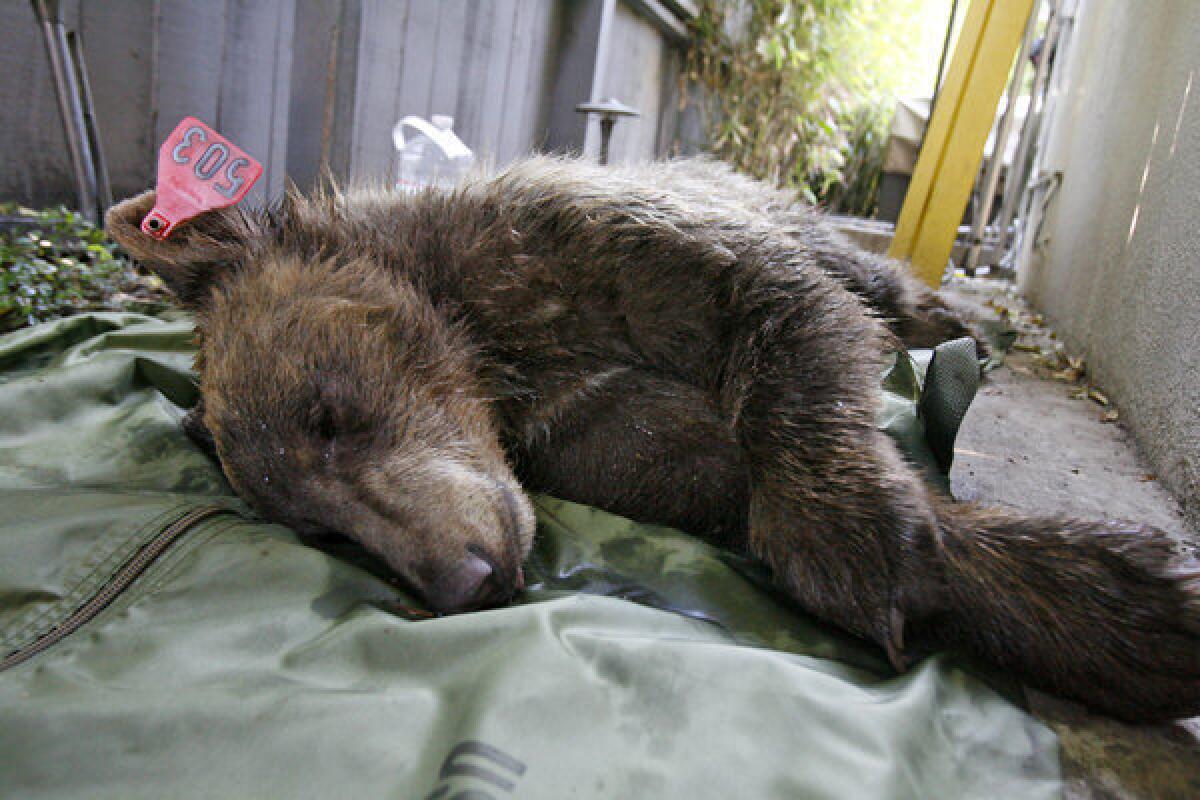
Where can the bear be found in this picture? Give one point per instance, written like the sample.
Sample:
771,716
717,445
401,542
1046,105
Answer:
671,342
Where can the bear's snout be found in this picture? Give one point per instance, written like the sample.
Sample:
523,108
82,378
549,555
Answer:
477,581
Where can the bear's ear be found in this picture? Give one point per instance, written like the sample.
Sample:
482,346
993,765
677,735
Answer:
195,254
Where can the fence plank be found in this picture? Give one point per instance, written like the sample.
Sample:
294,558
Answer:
281,97
190,46
510,144
416,72
118,46
635,78
315,30
447,66
577,31
252,78
477,44
492,113
539,78
381,54
36,167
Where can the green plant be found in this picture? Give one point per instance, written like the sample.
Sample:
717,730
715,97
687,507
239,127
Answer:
54,263
799,92
855,187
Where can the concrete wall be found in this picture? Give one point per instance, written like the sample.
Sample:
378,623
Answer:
1117,267
303,83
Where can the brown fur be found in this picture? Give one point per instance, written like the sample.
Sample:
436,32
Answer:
673,343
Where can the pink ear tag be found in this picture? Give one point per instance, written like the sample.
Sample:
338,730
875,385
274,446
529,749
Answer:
198,170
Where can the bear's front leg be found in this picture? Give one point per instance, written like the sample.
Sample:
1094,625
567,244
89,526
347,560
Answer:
846,526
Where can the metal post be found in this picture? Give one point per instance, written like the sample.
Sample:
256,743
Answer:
608,10
1015,188
937,82
606,128
941,71
49,15
991,176
609,111
103,186
1043,184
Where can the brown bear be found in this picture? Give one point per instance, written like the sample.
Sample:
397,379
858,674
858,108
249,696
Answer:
670,342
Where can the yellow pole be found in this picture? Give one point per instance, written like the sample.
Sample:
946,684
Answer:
949,160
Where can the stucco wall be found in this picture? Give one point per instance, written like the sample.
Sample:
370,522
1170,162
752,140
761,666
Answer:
1117,269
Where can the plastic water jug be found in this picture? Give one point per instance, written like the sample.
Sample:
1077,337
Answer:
429,153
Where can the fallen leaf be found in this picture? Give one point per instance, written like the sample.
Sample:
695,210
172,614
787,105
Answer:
965,452
1055,358
1027,348
1149,476
1098,396
1110,416
1066,375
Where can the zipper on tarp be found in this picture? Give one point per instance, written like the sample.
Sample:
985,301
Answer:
137,564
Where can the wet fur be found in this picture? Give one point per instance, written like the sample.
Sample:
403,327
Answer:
673,343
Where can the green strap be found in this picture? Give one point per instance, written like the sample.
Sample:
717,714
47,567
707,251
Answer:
950,385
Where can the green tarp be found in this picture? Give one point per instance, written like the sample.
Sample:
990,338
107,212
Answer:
244,662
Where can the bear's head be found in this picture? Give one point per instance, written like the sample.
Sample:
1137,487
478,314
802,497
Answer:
339,399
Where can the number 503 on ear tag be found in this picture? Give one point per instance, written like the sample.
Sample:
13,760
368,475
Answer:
198,170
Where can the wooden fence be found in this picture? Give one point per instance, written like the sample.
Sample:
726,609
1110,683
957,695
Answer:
304,83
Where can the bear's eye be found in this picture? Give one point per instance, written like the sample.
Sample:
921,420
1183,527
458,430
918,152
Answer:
326,426
328,423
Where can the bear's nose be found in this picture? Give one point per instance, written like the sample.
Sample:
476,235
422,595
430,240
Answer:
472,583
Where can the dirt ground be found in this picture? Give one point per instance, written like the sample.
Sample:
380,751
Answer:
1037,439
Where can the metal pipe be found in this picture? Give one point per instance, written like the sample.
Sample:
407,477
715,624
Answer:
1032,213
49,16
937,82
608,111
1013,189
606,129
104,188
608,10
992,172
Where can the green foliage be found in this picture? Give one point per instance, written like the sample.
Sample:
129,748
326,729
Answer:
855,187
54,263
800,91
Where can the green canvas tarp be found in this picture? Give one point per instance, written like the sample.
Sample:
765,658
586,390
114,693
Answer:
159,641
